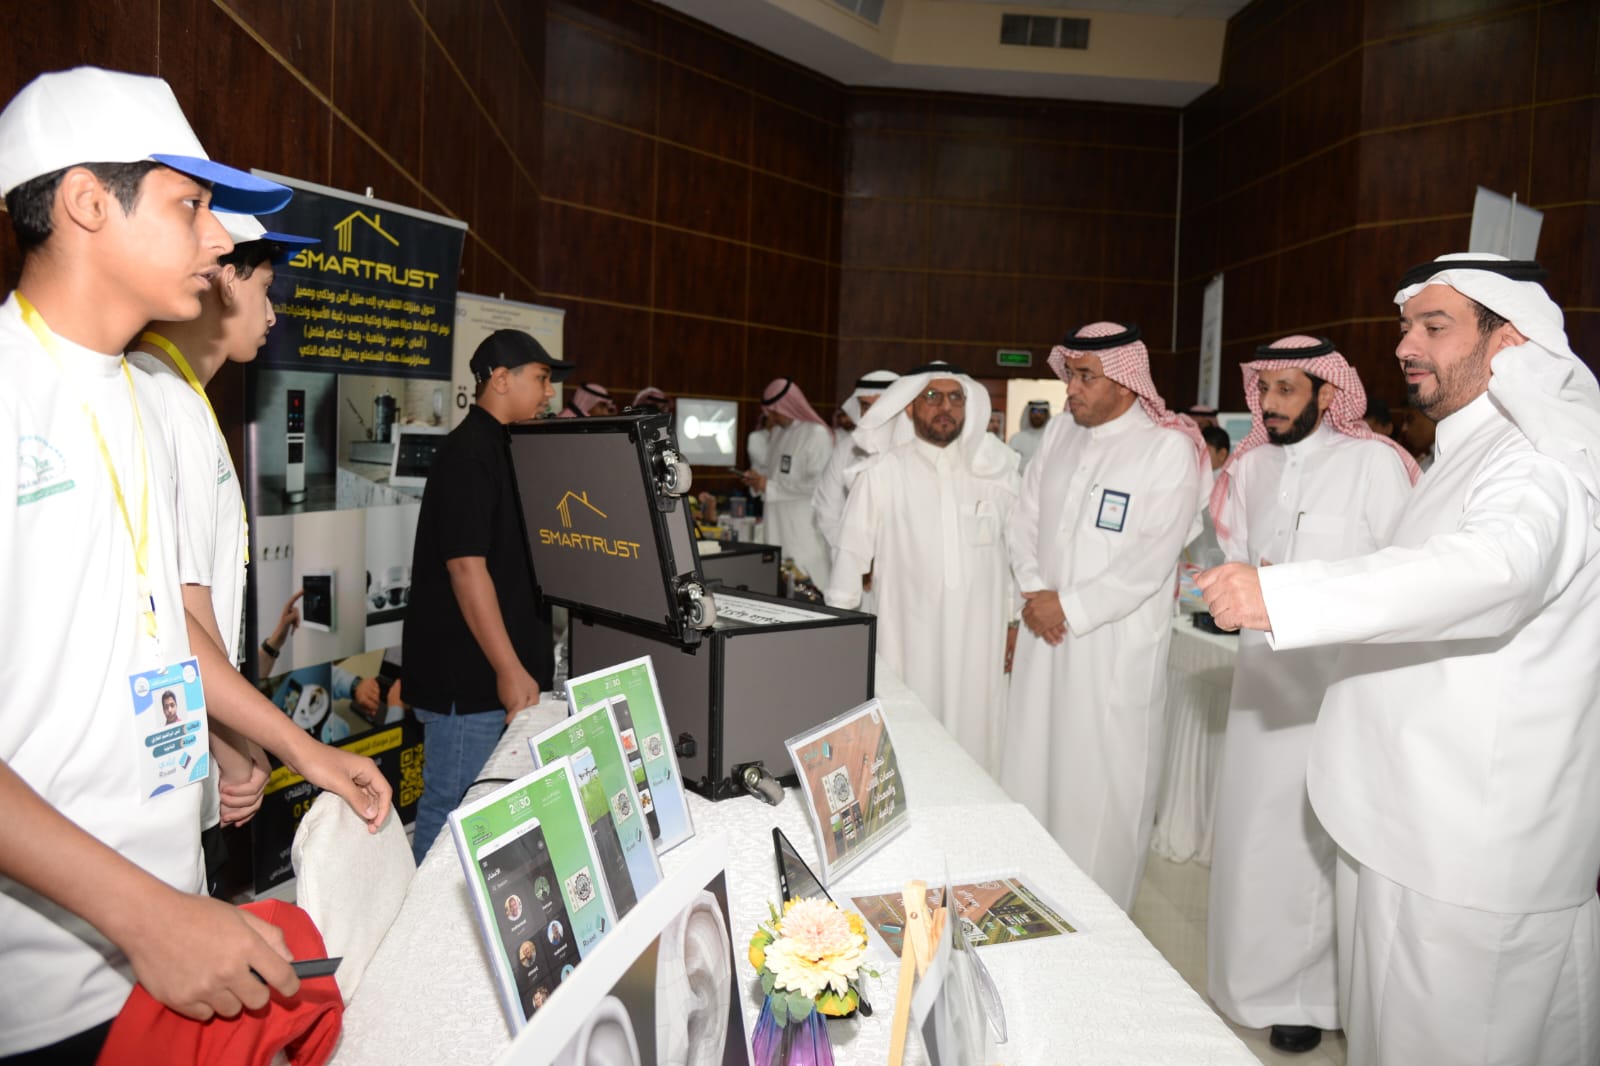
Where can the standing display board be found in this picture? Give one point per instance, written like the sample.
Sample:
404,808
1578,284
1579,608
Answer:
359,362
855,796
620,827
537,887
631,696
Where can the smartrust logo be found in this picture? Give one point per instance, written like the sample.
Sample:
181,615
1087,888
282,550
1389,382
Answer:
346,264
575,507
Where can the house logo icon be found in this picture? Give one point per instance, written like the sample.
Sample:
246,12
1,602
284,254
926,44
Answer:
345,228
565,507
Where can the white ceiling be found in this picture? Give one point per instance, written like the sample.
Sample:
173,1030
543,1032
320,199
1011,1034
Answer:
801,41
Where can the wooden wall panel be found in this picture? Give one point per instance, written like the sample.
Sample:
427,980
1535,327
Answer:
702,193
1313,185
688,354
724,160
598,165
1010,222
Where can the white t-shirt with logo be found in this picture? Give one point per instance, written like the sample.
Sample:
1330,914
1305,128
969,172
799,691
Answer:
73,637
210,517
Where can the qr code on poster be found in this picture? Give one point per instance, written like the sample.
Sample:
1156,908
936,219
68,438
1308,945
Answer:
836,784
580,888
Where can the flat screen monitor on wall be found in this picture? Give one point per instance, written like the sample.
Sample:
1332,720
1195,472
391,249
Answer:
708,431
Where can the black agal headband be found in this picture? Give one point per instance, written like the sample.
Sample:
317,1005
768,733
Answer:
1076,343
1515,269
1323,347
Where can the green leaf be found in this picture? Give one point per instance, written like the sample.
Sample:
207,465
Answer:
799,1006
780,1009
768,980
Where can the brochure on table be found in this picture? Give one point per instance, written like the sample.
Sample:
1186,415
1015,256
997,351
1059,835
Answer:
536,884
852,785
617,826
633,698
956,1006
661,989
1002,910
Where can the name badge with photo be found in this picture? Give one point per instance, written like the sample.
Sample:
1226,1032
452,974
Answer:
169,712
784,466
1113,511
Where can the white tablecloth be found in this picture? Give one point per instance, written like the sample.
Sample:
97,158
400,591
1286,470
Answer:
1100,996
1199,681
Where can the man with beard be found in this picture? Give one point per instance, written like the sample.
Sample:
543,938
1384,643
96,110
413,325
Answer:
1453,760
927,517
1325,489
1111,498
1025,441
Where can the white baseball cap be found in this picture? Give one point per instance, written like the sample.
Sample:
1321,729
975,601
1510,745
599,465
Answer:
246,228
90,115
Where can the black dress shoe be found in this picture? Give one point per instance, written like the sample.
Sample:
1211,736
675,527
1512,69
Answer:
1295,1038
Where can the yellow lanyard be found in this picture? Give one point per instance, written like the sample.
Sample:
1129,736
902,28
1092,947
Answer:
185,369
152,337
141,539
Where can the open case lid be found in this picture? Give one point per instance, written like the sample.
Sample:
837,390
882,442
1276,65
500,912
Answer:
608,530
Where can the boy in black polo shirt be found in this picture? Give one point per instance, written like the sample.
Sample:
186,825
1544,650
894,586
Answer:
477,647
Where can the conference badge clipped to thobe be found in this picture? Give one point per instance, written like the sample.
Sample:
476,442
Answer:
169,723
788,461
1113,511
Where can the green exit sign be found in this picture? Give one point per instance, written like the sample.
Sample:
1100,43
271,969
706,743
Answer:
1013,357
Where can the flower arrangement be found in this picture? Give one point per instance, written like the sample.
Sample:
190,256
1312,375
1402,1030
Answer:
809,959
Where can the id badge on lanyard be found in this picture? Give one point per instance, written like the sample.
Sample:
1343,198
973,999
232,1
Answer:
169,722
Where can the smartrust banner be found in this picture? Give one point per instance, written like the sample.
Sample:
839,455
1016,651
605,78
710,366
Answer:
377,296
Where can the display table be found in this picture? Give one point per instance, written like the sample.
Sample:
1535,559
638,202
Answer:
1199,682
1103,995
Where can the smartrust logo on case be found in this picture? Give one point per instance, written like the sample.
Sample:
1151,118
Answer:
575,508
41,470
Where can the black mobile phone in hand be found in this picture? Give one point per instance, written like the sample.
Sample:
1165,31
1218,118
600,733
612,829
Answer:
635,758
304,968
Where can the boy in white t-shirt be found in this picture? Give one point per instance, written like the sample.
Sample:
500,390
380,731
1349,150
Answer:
109,193
213,541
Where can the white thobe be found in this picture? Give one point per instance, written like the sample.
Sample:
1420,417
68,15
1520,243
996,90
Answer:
1455,754
1025,442
834,487
796,456
1270,934
933,535
1085,723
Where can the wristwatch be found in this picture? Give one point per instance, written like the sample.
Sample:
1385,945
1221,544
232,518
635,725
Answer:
269,649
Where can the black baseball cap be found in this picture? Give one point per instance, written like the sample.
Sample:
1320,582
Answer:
512,348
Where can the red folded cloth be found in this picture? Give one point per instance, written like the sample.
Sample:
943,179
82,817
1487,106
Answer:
306,1028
